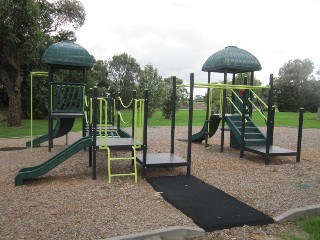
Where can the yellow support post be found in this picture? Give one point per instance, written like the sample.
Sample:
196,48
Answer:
44,74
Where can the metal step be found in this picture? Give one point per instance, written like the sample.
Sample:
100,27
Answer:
254,135
254,142
249,130
239,123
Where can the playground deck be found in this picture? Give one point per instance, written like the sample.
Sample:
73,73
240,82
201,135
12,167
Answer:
273,151
162,160
116,143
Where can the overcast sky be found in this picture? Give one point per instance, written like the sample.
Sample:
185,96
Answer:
178,36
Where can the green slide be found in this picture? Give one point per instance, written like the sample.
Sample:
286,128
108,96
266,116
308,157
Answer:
214,122
63,126
39,170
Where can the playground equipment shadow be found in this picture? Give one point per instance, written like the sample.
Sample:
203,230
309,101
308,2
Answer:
66,203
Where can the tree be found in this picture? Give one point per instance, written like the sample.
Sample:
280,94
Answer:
240,79
310,91
181,100
123,72
39,99
19,28
149,79
198,98
26,27
293,77
98,76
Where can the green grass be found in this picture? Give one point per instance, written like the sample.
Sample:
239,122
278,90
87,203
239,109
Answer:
311,226
290,119
305,229
40,127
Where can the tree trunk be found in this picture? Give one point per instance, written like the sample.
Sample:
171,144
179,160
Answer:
13,89
14,113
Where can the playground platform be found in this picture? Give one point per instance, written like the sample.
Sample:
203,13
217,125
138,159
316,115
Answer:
158,160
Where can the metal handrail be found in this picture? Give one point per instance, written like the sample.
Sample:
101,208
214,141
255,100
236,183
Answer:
260,100
234,105
259,111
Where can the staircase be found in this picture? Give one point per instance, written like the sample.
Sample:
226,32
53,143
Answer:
252,136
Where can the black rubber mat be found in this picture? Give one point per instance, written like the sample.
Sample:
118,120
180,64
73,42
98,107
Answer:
210,208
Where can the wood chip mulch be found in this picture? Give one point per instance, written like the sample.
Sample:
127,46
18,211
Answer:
67,204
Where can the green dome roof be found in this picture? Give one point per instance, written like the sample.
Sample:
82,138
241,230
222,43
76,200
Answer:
67,53
232,60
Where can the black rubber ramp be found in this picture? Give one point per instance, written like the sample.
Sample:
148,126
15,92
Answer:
210,208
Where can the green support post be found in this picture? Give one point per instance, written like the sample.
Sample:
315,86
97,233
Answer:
90,126
145,135
173,115
232,93
50,122
208,99
270,122
243,118
118,109
250,93
223,112
273,112
299,134
190,123
134,96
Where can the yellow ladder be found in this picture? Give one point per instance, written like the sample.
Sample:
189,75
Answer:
133,159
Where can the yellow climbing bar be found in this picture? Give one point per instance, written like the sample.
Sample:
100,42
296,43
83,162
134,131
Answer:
133,159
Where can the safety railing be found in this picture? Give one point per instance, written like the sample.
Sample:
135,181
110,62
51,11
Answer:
232,102
105,129
237,107
259,110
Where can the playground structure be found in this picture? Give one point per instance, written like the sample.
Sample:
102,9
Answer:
70,100
244,133
66,102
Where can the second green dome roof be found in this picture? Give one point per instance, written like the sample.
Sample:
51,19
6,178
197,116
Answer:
231,60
